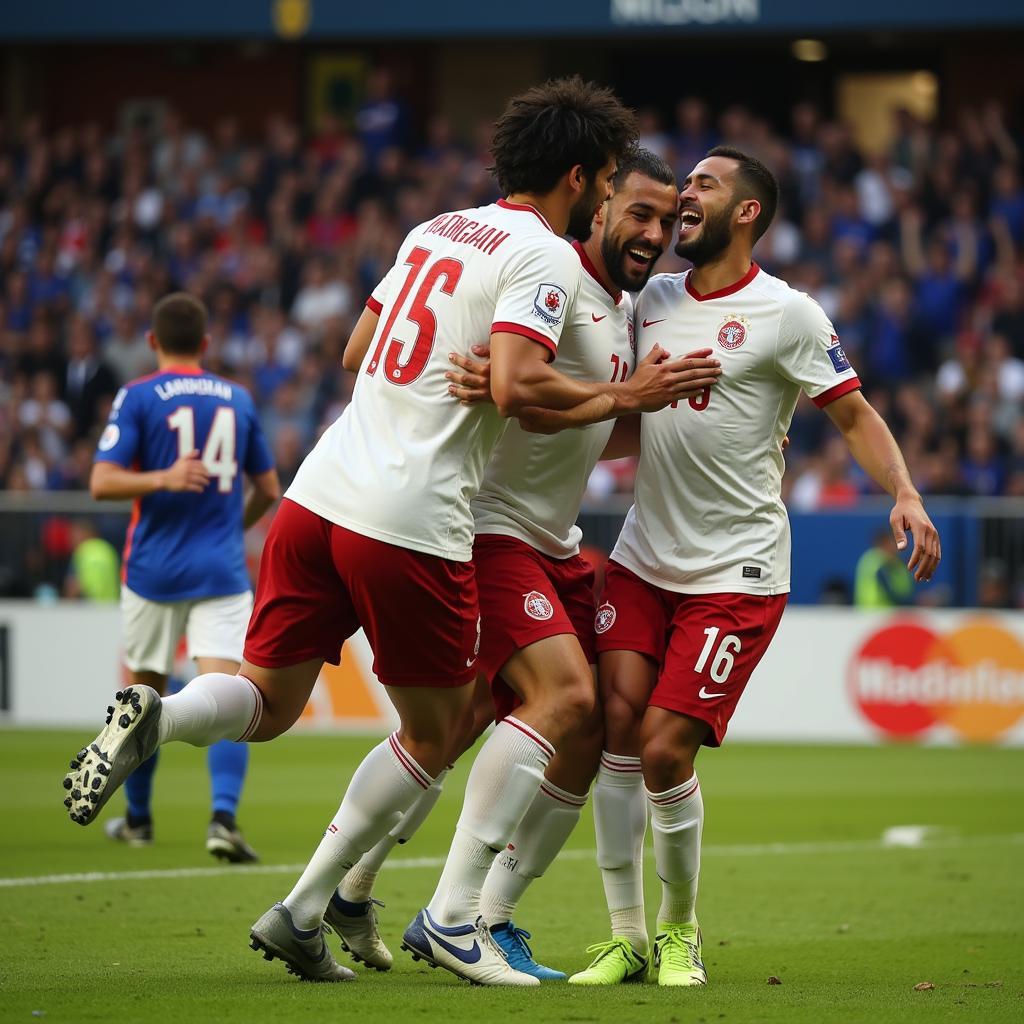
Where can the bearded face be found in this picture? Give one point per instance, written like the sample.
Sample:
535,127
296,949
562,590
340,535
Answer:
705,232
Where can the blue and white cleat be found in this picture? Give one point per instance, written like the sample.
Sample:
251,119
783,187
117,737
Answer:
466,950
512,942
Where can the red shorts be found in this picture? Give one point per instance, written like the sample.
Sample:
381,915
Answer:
706,645
526,596
319,583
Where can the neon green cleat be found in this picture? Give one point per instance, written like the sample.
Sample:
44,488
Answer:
615,962
677,955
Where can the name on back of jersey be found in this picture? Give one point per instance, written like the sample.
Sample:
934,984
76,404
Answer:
177,386
454,226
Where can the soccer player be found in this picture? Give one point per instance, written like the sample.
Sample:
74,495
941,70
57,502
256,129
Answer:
698,580
176,442
376,531
536,591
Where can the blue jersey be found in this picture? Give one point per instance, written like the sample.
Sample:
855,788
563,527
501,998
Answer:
182,546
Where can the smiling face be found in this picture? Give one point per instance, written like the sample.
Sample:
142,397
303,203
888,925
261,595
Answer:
638,222
707,207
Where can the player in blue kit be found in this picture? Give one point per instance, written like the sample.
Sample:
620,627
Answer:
178,442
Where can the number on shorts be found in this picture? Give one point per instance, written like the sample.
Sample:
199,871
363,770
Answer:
723,661
219,451
419,313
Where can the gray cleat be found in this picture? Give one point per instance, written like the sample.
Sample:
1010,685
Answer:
356,925
130,736
304,953
119,830
229,844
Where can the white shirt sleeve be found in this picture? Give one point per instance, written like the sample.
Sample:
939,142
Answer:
809,352
537,292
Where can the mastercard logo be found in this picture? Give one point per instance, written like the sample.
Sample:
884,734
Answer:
907,679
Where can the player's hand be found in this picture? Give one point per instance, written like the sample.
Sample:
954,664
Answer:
908,515
785,442
187,474
659,381
473,384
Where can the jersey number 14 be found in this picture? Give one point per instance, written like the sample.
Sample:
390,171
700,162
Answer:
219,451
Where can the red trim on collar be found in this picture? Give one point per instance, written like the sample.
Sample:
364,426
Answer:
524,207
722,292
182,371
589,267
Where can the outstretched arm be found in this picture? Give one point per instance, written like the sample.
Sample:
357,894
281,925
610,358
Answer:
871,443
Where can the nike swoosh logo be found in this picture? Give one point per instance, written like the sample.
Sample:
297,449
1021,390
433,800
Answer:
470,662
704,695
651,323
467,956
597,319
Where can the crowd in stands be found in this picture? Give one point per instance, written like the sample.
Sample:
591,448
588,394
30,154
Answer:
915,253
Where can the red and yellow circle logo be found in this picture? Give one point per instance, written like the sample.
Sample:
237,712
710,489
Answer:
907,679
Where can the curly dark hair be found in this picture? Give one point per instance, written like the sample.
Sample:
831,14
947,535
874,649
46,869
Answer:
547,130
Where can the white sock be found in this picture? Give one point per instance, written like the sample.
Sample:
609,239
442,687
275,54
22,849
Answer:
677,821
504,780
541,834
381,791
620,821
357,885
212,707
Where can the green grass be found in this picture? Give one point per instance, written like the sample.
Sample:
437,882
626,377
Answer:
849,927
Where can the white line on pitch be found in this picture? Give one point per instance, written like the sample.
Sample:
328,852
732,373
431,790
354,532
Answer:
411,863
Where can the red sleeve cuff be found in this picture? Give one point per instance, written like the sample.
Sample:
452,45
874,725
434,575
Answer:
374,306
843,388
526,332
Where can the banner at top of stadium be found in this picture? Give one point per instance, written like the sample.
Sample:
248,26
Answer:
342,20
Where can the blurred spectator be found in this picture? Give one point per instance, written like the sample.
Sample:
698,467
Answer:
881,579
95,570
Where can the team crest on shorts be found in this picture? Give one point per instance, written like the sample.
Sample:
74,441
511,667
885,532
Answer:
733,332
537,606
605,618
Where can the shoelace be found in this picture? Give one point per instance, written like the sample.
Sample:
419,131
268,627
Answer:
519,937
602,949
679,951
487,939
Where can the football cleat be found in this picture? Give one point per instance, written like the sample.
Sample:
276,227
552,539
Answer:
512,942
130,736
356,925
614,963
304,953
119,830
467,950
677,955
229,844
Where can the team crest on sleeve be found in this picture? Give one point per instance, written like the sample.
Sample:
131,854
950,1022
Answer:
537,606
733,332
110,436
549,303
838,356
605,618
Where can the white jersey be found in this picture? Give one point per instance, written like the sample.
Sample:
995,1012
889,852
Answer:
708,514
404,459
534,483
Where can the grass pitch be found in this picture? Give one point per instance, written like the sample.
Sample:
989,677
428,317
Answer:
796,885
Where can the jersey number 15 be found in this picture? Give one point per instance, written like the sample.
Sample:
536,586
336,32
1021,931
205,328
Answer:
219,451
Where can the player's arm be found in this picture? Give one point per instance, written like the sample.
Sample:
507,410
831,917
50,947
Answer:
523,379
871,443
359,340
111,482
265,490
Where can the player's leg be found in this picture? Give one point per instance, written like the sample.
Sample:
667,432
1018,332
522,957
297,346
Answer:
716,642
352,910
297,625
631,621
215,631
